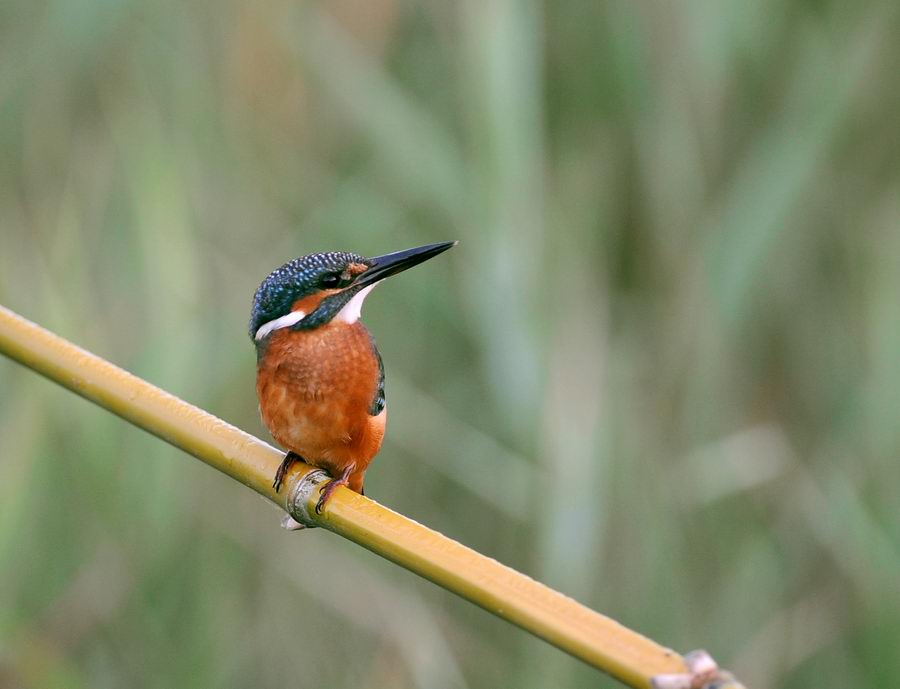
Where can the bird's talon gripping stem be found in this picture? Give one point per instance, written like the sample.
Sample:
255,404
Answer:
286,464
328,488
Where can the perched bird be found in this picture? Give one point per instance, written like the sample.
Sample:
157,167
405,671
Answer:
319,376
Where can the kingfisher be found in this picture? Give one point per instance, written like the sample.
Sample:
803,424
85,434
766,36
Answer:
319,375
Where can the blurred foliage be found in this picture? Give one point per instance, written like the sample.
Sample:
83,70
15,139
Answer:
660,372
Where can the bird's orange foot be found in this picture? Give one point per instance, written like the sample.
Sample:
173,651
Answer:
286,464
329,488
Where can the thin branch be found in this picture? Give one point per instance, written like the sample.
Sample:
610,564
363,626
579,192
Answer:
549,615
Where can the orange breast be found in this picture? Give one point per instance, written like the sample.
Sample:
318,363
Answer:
315,389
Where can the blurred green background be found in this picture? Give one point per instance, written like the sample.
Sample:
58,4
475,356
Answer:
660,372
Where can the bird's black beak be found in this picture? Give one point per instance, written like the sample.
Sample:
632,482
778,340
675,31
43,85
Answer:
381,267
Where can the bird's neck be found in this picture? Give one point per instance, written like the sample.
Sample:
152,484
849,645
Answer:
325,308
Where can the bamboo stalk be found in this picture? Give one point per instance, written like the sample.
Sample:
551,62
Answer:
512,596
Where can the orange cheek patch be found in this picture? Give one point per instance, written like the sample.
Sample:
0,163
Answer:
357,268
311,302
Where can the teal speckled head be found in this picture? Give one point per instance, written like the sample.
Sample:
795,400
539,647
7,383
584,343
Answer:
297,279
340,275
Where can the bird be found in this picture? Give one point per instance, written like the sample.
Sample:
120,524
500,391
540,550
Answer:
319,375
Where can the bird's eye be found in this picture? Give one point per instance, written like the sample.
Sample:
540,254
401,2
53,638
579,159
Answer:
330,280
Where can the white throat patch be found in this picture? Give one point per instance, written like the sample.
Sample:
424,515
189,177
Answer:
350,312
285,321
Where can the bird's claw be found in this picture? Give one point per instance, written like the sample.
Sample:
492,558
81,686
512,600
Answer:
328,488
286,464
324,493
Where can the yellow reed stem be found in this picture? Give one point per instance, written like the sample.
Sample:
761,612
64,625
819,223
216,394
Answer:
549,615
